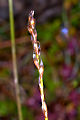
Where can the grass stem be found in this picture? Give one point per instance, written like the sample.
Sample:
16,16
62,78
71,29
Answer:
14,59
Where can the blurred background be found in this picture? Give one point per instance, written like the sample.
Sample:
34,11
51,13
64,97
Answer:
58,28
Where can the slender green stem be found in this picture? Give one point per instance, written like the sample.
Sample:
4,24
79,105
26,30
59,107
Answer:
14,59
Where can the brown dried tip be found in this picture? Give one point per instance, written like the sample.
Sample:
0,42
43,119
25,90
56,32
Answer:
31,20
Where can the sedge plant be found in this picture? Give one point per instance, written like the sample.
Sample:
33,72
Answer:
37,61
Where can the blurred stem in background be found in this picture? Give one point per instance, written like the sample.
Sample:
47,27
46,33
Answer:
65,19
14,59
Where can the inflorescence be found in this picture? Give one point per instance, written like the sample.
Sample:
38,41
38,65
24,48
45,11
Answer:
36,58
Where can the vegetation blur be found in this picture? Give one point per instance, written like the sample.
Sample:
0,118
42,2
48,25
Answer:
58,28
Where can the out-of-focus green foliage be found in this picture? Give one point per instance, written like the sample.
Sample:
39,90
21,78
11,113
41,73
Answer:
47,31
4,73
27,114
7,107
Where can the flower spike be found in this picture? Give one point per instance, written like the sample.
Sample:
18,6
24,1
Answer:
36,59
